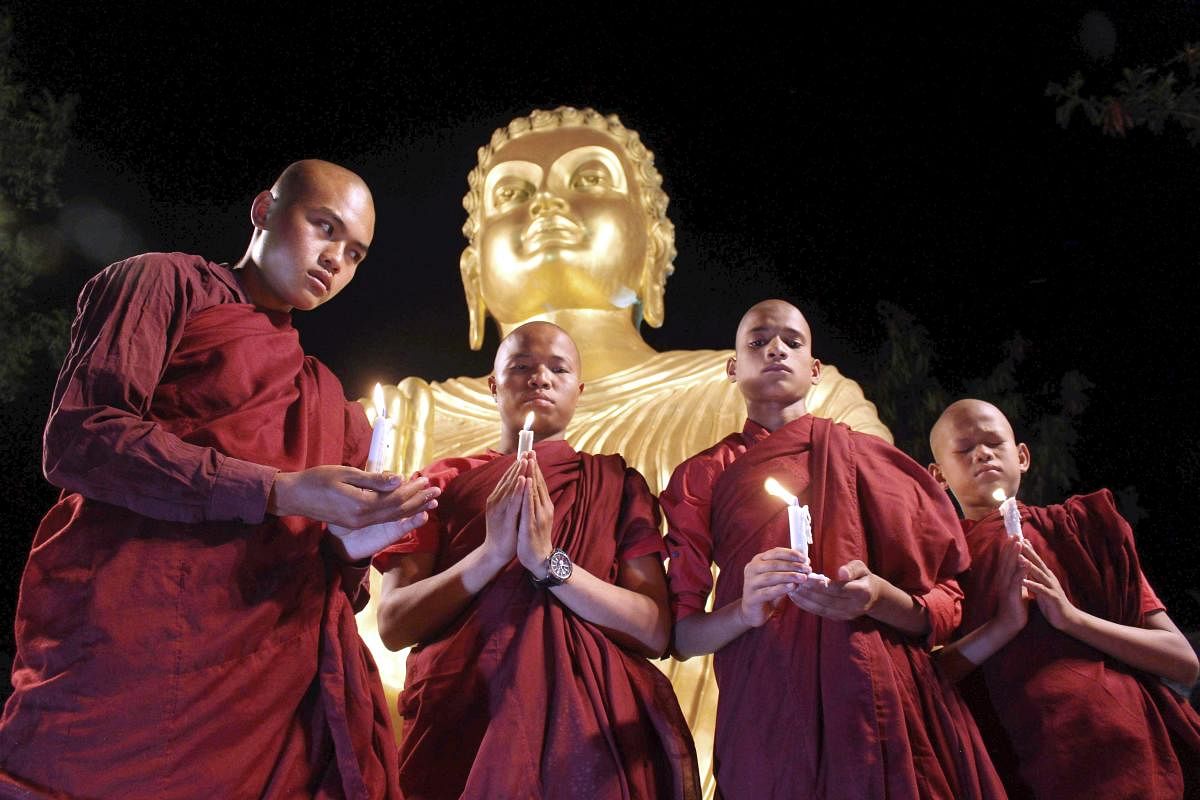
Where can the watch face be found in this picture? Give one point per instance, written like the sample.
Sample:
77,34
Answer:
560,565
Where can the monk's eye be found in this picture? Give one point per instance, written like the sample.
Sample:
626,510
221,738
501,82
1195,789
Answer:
511,193
756,343
591,178
795,344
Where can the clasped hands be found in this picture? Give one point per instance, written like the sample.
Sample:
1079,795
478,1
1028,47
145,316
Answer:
354,503
1021,575
781,572
520,517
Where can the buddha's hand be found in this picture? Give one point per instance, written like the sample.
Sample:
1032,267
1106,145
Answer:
501,513
767,579
537,521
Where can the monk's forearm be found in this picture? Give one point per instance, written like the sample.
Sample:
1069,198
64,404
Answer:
632,619
702,633
958,659
898,609
420,610
1159,649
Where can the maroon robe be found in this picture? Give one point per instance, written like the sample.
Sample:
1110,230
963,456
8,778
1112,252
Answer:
207,657
518,697
1078,723
810,706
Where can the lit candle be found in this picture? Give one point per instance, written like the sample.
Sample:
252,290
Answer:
1011,514
379,457
799,521
525,437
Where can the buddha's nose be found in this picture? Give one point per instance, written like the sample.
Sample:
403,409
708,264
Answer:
547,203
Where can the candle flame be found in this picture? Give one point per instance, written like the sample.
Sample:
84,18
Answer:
999,496
773,486
377,399
528,421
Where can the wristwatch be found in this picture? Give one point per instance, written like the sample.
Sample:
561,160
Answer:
558,569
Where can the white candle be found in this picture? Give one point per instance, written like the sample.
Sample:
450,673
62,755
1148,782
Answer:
799,521
525,437
379,457
1011,514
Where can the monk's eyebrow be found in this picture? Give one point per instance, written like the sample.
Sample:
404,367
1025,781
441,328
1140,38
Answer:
786,331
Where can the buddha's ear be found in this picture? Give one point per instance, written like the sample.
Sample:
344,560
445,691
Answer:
468,265
660,253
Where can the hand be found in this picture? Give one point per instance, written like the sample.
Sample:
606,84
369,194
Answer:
348,497
1012,612
1044,585
355,545
767,578
534,543
501,514
854,591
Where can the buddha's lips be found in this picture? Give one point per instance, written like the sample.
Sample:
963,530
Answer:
552,228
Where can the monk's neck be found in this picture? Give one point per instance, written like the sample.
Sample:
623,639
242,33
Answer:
607,340
774,416
509,437
976,513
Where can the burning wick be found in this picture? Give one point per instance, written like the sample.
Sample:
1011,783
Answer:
799,522
525,437
1012,516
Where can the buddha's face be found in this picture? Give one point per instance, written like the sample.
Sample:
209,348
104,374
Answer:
562,225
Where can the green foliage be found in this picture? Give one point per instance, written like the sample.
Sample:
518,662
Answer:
1147,97
34,131
910,397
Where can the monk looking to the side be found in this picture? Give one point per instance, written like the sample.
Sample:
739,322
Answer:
1072,679
184,627
825,690
534,595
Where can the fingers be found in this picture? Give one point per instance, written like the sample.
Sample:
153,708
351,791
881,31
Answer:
852,571
375,481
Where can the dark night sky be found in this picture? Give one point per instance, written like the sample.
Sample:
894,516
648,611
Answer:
837,160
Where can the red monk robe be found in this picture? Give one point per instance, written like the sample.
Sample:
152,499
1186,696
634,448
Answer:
1078,723
177,653
518,697
810,706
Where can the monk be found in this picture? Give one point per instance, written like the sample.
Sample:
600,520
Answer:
535,594
185,624
826,688
1071,679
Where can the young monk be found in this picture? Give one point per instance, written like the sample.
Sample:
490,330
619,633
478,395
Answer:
1073,679
185,624
534,595
826,689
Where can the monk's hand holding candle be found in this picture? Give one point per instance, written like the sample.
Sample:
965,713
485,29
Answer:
534,544
502,512
855,591
1043,584
405,508
767,579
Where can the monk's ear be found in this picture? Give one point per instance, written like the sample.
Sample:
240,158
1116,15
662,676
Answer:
816,371
936,472
1023,457
731,369
580,389
260,209
492,387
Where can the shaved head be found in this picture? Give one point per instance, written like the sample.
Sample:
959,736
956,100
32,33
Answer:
960,413
766,307
301,178
520,336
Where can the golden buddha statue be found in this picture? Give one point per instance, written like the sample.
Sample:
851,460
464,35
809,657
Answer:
566,222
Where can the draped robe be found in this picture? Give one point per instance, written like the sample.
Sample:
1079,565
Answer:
167,659
808,705
1078,723
519,697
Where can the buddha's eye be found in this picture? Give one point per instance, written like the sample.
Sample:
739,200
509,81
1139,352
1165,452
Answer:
591,178
509,193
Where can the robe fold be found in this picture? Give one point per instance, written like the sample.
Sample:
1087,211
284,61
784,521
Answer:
810,706
1078,723
519,697
168,659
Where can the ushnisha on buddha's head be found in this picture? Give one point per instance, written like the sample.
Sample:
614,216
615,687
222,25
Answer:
565,211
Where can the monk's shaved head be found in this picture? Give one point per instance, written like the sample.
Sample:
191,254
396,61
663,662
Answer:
519,338
767,307
960,414
302,178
